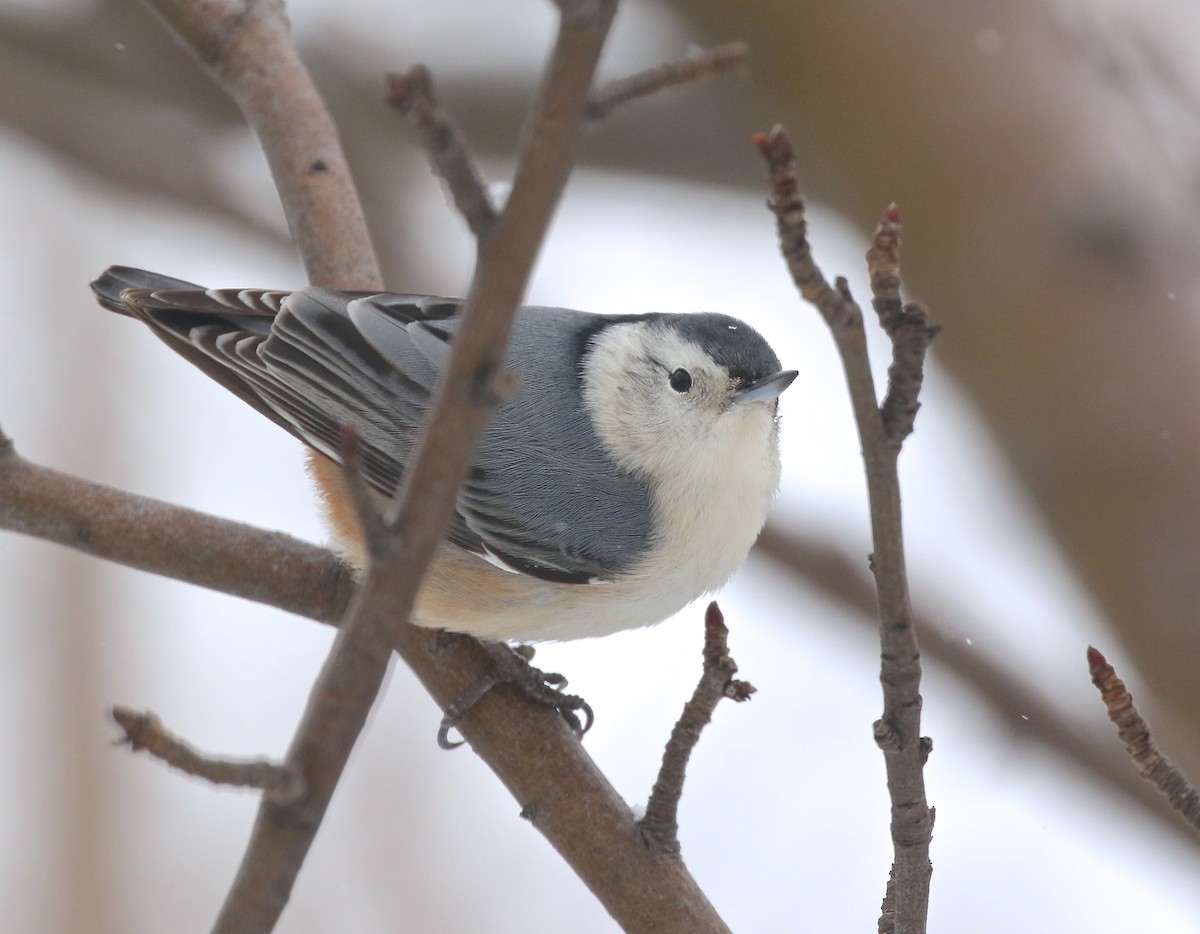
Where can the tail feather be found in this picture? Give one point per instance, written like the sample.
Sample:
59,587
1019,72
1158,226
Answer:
116,279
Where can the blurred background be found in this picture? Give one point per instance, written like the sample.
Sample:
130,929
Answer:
1045,158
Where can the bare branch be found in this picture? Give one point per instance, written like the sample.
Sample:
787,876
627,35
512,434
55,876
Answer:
144,731
898,730
908,326
412,95
158,537
660,824
787,202
1139,741
707,64
247,47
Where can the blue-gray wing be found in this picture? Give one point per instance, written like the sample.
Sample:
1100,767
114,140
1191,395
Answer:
543,497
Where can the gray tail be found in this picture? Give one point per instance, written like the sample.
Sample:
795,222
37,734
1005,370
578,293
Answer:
116,279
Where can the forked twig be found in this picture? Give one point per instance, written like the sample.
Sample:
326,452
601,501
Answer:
881,431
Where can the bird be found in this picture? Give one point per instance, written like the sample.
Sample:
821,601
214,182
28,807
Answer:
629,474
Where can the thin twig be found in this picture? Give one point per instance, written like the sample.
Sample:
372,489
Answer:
412,94
898,730
907,325
1139,741
787,202
144,731
706,64
660,823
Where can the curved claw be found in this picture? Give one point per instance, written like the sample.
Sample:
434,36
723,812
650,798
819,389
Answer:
443,736
589,716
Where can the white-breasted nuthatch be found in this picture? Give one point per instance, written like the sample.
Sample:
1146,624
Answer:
629,475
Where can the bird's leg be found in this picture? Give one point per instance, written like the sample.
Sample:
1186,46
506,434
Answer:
511,666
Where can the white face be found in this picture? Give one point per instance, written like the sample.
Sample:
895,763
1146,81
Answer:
659,402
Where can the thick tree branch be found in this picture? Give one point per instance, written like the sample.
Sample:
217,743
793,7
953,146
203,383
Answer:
247,47
897,732
150,535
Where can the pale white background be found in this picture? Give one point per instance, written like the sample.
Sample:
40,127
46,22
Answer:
784,815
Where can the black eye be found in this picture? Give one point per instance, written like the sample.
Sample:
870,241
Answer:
681,380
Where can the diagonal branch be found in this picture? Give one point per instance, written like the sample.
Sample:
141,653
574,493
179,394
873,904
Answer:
707,64
144,731
1152,765
412,95
841,576
660,824
247,47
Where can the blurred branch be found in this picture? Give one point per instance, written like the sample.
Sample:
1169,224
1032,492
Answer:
144,731
841,576
412,95
711,62
660,823
1139,741
898,731
148,147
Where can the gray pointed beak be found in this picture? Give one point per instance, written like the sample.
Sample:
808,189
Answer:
765,389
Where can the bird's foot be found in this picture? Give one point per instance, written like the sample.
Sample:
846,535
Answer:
511,666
